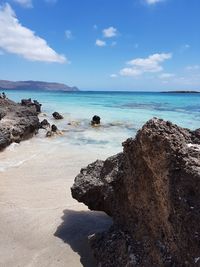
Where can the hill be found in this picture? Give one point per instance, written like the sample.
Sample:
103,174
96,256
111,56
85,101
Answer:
35,85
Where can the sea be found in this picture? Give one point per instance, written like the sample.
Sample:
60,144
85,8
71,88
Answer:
121,113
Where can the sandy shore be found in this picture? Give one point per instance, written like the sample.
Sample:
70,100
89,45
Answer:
40,223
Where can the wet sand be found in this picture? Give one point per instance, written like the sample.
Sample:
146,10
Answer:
40,223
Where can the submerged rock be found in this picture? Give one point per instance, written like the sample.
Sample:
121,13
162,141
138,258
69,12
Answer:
96,120
18,123
57,116
152,192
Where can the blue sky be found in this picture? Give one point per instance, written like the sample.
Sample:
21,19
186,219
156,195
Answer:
102,44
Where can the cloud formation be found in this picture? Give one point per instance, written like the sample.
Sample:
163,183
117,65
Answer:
193,67
152,2
109,32
113,75
100,43
151,64
24,3
17,39
166,75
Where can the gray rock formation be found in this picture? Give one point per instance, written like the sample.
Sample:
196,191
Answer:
17,122
152,192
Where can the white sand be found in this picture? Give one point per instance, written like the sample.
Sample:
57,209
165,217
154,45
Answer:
40,223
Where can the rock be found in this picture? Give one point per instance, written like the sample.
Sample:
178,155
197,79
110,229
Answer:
152,192
49,134
44,124
18,123
95,120
37,106
29,103
2,113
57,116
54,131
54,128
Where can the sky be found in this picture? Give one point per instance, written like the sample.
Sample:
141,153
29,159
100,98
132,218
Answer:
138,45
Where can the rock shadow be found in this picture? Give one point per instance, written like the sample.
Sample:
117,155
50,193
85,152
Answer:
77,226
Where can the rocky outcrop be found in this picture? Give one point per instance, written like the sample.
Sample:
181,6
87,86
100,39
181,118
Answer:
152,192
29,103
17,123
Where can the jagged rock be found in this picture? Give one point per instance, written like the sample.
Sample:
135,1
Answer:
44,124
152,192
96,120
57,116
29,103
18,123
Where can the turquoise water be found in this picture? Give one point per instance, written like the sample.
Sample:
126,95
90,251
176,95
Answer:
122,113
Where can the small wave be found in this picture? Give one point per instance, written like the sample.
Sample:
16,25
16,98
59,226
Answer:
14,164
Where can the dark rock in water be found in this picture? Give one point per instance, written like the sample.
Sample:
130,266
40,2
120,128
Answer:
44,124
152,192
18,123
57,116
54,128
49,134
29,103
96,120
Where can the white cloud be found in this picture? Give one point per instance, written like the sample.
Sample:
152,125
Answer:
110,32
17,39
113,75
152,2
151,64
100,43
166,75
24,3
68,34
193,67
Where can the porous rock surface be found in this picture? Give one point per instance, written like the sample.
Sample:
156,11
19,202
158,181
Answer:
152,192
17,122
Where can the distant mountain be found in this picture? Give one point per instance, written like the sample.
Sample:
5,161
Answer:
36,85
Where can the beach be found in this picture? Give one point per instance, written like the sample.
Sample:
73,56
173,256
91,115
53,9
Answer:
40,223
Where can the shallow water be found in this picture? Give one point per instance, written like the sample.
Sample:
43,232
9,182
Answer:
122,114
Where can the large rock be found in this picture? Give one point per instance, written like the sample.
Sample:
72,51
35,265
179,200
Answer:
152,191
17,123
